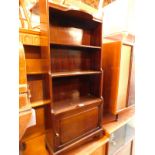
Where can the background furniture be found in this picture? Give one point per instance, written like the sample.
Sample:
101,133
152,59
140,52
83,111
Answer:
35,75
118,64
24,103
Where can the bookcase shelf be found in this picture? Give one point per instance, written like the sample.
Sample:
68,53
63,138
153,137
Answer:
40,103
74,73
72,46
73,53
75,103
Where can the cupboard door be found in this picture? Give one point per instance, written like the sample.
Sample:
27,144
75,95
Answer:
124,77
126,150
76,124
120,138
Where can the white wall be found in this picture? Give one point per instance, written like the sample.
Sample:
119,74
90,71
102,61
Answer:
118,16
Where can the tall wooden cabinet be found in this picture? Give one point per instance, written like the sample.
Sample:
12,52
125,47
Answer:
118,65
74,51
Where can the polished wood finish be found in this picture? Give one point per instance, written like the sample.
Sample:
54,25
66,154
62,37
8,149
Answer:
74,60
39,129
76,46
24,103
24,118
94,147
70,104
74,73
39,66
37,87
31,37
73,50
35,146
109,123
117,64
22,70
40,103
70,121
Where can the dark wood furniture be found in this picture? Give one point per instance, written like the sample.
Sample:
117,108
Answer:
73,55
118,138
118,65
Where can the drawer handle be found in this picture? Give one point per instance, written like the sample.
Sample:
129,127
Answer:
80,105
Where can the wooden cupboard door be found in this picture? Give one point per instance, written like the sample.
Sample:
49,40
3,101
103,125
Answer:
120,138
77,123
124,77
126,150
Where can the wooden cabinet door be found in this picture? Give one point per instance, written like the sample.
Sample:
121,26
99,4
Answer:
117,60
77,123
120,139
124,74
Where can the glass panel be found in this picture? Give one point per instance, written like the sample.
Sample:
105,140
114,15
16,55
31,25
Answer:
120,137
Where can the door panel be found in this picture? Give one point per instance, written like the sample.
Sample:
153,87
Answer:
78,124
126,150
124,77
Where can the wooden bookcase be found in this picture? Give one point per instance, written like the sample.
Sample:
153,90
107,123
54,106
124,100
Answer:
73,50
37,73
118,65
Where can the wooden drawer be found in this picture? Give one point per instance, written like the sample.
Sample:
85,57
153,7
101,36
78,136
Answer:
76,124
